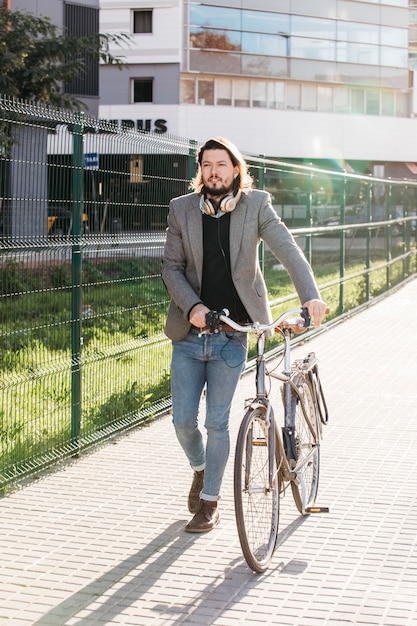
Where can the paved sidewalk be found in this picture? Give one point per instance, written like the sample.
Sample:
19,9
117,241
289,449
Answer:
101,541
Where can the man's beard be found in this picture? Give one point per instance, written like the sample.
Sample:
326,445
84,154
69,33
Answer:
218,191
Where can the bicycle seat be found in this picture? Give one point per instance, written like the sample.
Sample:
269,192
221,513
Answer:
296,325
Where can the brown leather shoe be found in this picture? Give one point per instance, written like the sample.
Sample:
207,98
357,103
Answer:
205,519
196,489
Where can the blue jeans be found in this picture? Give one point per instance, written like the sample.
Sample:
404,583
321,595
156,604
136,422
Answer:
216,361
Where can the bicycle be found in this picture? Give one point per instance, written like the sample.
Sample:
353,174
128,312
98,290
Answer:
265,464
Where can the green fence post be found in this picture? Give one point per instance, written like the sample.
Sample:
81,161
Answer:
406,230
308,216
368,242
76,258
261,185
342,253
388,238
192,163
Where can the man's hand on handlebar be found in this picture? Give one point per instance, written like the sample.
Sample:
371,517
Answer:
198,314
317,309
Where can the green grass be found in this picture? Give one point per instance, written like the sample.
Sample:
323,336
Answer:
125,362
125,358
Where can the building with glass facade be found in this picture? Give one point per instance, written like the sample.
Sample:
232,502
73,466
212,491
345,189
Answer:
331,79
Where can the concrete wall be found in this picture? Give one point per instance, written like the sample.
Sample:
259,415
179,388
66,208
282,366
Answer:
162,46
287,134
116,87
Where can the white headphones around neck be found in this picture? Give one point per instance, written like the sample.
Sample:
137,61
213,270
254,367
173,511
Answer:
227,204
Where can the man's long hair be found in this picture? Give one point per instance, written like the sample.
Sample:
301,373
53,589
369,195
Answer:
243,180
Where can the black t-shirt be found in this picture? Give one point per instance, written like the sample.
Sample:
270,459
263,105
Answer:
218,291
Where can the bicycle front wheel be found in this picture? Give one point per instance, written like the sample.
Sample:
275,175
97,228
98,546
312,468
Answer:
307,464
256,489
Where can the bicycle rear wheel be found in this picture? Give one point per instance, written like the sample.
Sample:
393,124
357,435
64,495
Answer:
256,500
307,464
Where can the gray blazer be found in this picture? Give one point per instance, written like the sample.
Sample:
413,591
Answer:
253,219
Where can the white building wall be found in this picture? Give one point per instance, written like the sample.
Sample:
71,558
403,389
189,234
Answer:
414,94
162,46
285,134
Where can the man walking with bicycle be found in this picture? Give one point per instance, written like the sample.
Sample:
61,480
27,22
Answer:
210,262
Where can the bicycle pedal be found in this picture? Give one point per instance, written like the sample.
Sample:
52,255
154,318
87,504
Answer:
317,509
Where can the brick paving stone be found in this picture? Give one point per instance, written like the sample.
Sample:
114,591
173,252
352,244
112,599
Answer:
101,540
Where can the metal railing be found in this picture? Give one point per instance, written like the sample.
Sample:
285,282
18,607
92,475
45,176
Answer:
82,305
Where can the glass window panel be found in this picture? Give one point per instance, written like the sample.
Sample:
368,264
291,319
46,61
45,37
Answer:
259,93
341,100
241,93
142,21
369,75
309,97
224,91
264,22
143,90
313,27
413,61
358,101
401,105
215,62
187,88
276,95
321,71
358,32
394,77
394,57
372,102
214,39
357,53
201,15
264,66
205,92
313,49
394,37
325,99
293,96
387,103
257,43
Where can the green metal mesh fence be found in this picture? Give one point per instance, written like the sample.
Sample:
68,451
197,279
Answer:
83,213
82,306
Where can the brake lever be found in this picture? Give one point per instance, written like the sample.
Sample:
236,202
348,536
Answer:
306,317
212,319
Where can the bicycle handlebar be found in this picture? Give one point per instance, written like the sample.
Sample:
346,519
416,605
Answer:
214,318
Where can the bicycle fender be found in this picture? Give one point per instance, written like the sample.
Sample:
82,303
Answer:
319,394
254,404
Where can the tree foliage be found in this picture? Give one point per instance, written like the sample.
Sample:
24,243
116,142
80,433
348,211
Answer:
37,58
210,39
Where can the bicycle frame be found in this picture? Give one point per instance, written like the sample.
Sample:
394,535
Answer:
286,447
